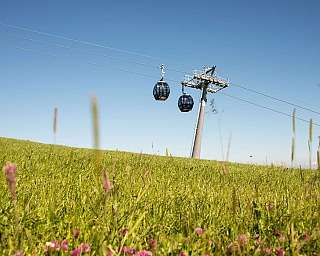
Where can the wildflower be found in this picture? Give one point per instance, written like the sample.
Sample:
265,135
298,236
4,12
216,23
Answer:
269,206
242,240
64,245
18,253
106,183
277,232
75,233
76,252
257,240
85,248
52,246
82,248
279,235
124,231
109,252
183,254
233,248
199,231
306,237
153,244
266,251
282,238
129,251
144,253
256,236
280,251
10,171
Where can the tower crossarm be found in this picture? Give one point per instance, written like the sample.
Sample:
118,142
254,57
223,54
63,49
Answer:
207,80
213,88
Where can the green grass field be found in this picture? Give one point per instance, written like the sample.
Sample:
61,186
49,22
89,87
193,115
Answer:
241,209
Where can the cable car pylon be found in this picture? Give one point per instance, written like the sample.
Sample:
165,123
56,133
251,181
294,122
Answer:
207,82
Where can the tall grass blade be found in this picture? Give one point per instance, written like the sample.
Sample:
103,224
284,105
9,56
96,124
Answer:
310,142
95,122
311,130
96,134
226,159
318,154
292,150
55,124
228,148
293,141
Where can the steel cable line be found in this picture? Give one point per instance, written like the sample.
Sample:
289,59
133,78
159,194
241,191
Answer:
84,51
275,98
144,75
272,97
75,40
175,81
88,62
145,64
267,108
93,63
85,43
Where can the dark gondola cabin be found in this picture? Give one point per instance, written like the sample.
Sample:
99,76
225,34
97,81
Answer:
161,90
185,103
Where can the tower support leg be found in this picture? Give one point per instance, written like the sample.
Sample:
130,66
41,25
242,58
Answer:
200,123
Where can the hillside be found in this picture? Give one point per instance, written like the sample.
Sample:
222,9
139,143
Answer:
164,205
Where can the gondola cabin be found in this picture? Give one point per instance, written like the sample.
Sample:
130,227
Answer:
185,103
161,90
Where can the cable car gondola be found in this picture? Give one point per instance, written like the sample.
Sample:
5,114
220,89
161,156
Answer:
161,90
185,102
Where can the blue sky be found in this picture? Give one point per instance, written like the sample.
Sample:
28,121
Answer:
269,46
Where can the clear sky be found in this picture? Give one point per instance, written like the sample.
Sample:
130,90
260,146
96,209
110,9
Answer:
269,46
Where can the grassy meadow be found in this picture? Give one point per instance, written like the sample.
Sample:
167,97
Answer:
152,205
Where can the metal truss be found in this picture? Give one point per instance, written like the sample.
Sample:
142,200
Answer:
205,80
